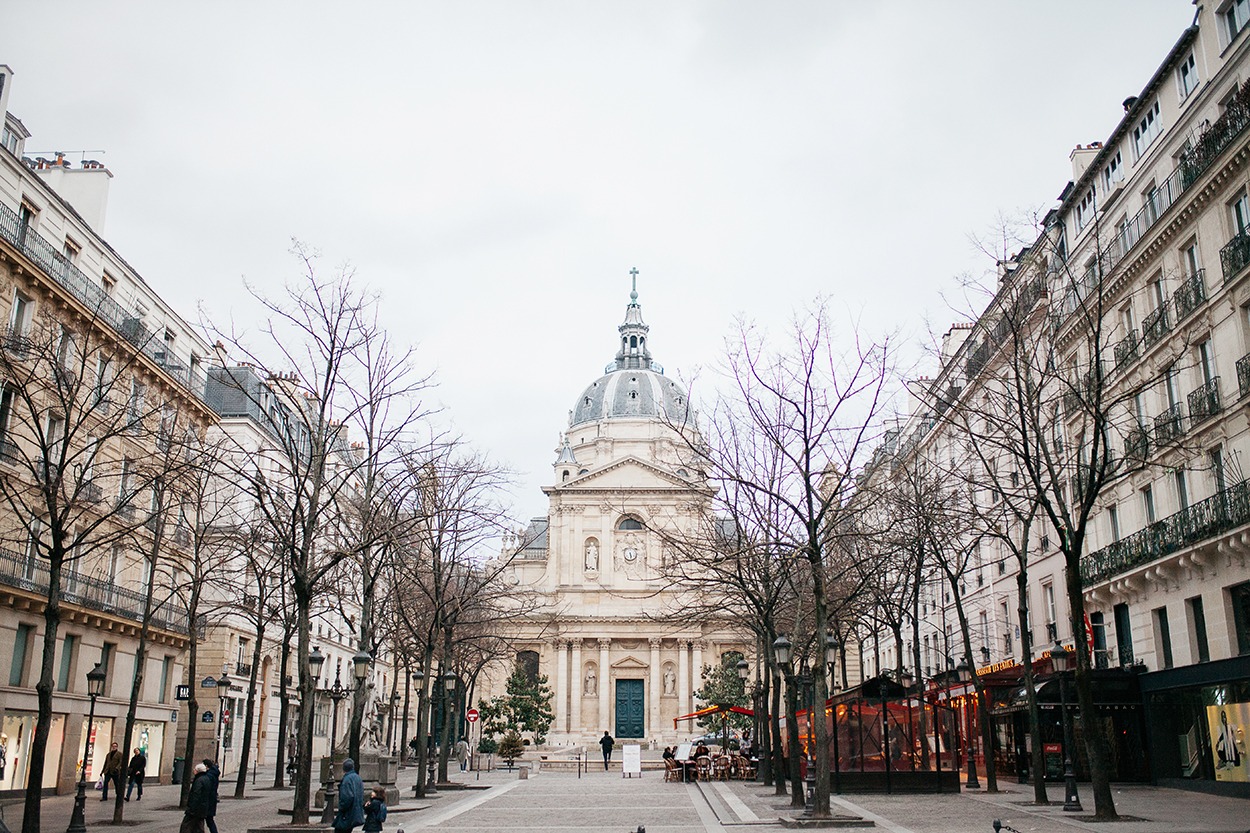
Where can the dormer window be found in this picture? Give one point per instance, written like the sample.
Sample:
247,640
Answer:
1147,129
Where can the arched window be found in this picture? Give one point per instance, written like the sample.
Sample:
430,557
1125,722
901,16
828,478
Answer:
527,662
566,475
629,524
633,342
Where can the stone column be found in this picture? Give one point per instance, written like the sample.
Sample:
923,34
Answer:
653,696
562,686
696,667
605,687
683,677
576,689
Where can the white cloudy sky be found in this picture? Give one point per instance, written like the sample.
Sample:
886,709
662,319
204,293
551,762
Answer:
494,169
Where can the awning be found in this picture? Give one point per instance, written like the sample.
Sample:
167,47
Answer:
716,709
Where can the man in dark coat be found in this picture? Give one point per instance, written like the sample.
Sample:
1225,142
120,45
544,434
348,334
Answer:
210,803
135,771
112,771
607,743
197,801
351,812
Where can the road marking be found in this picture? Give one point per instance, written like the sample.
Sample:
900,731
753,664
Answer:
741,810
464,807
860,811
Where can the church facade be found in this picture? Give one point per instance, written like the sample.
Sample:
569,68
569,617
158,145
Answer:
618,652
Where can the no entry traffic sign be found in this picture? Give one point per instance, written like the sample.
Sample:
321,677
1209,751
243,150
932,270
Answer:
471,715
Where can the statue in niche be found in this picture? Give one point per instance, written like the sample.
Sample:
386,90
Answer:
592,555
592,682
670,682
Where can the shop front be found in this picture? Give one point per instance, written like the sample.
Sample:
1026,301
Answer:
1198,720
17,732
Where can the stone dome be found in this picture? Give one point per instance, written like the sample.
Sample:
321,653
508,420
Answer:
632,393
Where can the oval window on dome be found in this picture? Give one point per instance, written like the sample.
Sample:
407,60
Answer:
629,524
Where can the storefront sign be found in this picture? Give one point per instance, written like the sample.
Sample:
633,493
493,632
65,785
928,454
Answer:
998,666
182,692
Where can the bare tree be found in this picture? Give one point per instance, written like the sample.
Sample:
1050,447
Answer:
818,405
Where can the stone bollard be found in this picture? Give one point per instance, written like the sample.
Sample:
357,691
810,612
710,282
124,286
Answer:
523,773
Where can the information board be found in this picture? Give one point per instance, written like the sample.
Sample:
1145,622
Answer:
631,760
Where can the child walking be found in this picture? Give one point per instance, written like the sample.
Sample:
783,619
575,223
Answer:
375,810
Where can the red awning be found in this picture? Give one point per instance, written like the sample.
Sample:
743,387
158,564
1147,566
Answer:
718,709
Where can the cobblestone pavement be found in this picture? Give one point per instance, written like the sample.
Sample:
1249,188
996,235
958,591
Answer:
600,801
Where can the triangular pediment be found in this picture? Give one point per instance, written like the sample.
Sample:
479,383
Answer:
625,474
630,664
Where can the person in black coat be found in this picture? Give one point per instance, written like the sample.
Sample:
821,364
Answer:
135,771
210,802
607,743
197,801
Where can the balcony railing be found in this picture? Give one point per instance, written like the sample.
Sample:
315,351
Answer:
1231,124
1169,425
1204,403
31,574
1137,445
1190,295
1126,350
1223,512
101,305
1243,376
243,669
1156,326
1235,254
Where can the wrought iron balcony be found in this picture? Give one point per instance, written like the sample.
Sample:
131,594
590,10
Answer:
1137,445
1243,376
103,307
1156,326
31,574
1235,254
1204,403
1201,522
1190,295
243,669
1126,350
1169,425
1217,137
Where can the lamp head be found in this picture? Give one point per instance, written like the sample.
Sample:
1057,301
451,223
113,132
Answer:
782,651
831,648
744,669
449,682
223,682
1060,658
906,679
360,665
963,671
96,678
315,662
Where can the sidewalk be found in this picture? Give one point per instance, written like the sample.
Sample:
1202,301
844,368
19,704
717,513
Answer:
158,811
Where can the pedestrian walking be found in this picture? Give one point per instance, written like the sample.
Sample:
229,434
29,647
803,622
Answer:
462,754
607,743
351,812
197,801
375,810
210,793
112,771
135,771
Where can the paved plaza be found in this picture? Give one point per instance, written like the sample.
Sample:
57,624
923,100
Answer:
599,801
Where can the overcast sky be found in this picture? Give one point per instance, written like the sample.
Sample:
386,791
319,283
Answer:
495,169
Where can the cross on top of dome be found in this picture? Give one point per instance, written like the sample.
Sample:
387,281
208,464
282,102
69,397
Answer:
634,354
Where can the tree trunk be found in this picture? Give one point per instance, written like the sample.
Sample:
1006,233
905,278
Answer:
403,730
141,655
1037,754
983,705
364,644
43,690
284,714
303,773
423,719
1095,741
193,703
792,733
779,768
817,731
245,754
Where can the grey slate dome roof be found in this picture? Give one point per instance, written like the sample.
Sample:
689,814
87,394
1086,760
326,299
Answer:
626,393
633,386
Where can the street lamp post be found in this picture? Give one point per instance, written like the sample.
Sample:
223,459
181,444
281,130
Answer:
390,726
744,670
96,678
831,660
449,707
223,693
1062,661
337,693
964,672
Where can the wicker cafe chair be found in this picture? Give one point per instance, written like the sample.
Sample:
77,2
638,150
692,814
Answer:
720,768
746,769
672,772
703,768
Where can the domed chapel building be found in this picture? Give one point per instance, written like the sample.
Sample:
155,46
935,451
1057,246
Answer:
617,655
